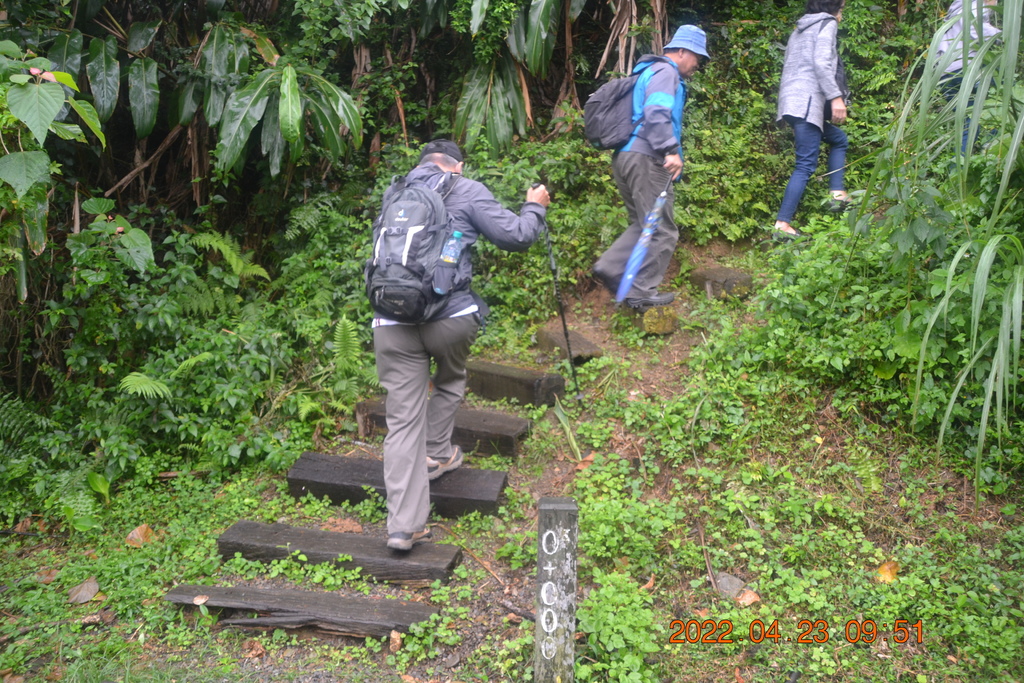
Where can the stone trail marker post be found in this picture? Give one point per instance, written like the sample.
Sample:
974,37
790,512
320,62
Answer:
554,643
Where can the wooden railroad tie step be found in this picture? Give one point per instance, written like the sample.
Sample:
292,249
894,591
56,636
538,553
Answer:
266,542
485,432
339,478
362,617
495,382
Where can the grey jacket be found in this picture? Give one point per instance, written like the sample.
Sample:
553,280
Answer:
953,38
809,69
476,212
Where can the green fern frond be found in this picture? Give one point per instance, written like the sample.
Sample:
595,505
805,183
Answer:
346,343
190,363
229,249
308,406
17,423
139,384
867,469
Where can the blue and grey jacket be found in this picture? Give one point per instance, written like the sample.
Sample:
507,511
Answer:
658,100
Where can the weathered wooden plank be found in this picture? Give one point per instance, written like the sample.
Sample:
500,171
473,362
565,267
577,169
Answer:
551,339
365,617
268,542
338,478
484,432
495,382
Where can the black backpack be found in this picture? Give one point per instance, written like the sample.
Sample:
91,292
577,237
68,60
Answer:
608,113
408,236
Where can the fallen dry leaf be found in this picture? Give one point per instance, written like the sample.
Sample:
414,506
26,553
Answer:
406,678
887,572
952,659
747,597
104,616
47,576
84,592
24,525
739,678
139,535
91,555
11,678
395,643
253,649
343,525
585,462
649,585
514,618
200,599
703,613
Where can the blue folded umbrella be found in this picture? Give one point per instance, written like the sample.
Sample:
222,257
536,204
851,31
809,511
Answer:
636,259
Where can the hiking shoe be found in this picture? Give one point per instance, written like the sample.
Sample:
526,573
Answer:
608,282
642,303
435,468
402,540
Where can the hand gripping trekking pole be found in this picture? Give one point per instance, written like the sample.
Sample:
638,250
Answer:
561,308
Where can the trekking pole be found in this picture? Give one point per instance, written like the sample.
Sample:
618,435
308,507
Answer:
561,308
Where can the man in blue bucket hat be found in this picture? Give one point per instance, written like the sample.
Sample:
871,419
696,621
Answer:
643,166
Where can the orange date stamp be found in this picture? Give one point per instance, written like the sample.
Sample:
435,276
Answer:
808,631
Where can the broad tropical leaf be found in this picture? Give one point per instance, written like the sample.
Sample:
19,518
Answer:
541,34
263,45
98,205
104,75
33,218
22,170
36,105
272,143
243,111
290,106
186,103
143,95
477,15
328,126
344,107
89,117
141,34
136,249
66,52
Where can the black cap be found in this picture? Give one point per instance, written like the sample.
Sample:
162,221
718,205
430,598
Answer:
441,146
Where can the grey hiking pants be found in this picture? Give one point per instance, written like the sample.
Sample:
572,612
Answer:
419,425
640,180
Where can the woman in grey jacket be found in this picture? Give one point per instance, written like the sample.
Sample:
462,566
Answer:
813,102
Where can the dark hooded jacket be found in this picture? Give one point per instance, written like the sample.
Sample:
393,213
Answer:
476,212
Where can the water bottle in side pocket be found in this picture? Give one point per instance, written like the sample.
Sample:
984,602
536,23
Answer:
448,265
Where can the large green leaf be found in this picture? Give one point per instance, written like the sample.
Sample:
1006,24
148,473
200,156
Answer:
66,53
90,118
327,126
575,7
135,249
22,170
271,141
492,102
342,104
516,39
37,105
143,95
9,49
290,106
104,75
141,34
540,35
33,218
217,54
21,273
243,111
186,103
477,15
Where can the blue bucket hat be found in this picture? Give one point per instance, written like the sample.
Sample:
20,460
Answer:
692,38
